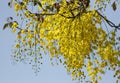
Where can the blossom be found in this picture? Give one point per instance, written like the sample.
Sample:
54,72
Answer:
14,25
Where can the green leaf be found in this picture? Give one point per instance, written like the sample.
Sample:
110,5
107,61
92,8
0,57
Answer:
114,6
5,26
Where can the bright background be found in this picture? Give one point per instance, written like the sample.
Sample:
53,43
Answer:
23,73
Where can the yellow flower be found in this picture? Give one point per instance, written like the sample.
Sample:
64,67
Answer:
14,25
42,32
30,36
23,40
35,32
19,36
32,15
27,14
13,30
23,31
23,6
17,46
79,73
29,31
50,43
17,7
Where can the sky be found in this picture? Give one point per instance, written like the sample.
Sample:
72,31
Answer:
23,73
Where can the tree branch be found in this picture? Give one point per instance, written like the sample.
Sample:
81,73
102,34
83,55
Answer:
108,21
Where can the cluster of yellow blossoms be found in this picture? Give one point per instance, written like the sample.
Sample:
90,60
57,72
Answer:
75,36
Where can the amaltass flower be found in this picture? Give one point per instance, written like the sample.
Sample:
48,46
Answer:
14,24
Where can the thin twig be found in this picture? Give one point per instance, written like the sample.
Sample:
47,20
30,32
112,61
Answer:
108,21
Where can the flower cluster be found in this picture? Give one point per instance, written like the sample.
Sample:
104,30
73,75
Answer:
67,29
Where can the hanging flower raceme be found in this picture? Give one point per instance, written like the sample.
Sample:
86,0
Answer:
66,29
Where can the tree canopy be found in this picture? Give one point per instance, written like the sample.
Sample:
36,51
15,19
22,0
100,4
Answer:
71,31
